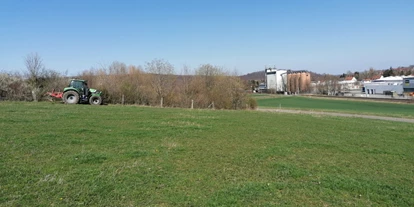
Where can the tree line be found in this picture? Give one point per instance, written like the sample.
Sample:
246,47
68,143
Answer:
155,84
31,84
371,73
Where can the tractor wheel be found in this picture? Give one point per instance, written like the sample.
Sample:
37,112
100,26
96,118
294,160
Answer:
71,97
95,100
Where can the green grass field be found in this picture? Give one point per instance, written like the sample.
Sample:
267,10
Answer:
81,155
325,104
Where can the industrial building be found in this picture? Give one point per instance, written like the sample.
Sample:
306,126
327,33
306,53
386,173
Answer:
298,81
281,80
408,85
383,88
276,79
389,85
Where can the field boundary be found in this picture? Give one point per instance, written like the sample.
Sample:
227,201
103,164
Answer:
292,111
355,98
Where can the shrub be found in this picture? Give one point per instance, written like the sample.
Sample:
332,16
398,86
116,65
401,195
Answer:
252,103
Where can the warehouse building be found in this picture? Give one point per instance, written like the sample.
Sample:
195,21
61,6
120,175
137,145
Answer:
408,85
388,85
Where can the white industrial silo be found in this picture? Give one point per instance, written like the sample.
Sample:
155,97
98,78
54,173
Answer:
276,79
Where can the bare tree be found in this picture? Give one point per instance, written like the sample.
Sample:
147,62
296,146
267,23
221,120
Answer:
39,79
162,78
208,73
332,84
186,92
35,73
117,68
371,72
206,86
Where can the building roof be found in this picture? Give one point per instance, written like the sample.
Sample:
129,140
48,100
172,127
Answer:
376,77
298,71
392,78
349,78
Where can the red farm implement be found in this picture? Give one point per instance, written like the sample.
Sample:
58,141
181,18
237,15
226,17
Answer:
54,94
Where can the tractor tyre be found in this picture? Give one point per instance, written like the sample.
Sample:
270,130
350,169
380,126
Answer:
95,100
71,97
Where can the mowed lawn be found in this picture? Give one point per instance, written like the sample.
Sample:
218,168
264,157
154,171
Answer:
326,104
81,155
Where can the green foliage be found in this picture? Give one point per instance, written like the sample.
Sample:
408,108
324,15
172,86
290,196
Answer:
356,75
142,156
388,72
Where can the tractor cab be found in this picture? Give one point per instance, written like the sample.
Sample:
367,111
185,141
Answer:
78,84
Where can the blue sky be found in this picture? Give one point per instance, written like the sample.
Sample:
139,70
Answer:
322,36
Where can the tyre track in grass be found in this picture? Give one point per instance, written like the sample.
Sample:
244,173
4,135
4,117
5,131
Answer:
384,118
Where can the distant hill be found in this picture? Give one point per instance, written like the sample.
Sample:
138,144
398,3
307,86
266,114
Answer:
258,75
403,70
316,76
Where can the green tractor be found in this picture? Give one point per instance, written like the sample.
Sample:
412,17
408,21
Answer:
79,92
